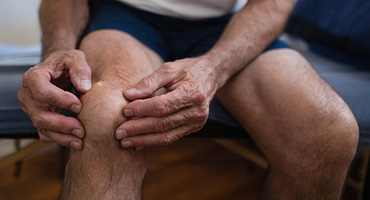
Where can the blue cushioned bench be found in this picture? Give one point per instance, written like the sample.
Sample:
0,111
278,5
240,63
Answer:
14,123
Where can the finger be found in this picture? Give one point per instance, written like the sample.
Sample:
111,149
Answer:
148,85
45,139
157,124
29,104
139,148
165,104
42,118
44,91
158,139
56,122
79,70
22,96
62,139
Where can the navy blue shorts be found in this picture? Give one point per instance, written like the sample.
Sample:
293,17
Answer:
172,38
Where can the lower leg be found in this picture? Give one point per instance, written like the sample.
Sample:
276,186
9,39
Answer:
304,128
103,170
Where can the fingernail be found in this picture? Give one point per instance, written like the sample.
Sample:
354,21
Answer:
131,91
75,108
85,84
76,145
127,144
120,134
127,112
78,133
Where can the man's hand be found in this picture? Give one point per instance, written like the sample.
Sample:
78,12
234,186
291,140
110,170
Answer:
43,94
164,119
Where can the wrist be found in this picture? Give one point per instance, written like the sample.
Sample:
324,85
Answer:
219,69
52,44
50,52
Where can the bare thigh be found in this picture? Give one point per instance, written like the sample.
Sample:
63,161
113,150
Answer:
288,109
116,56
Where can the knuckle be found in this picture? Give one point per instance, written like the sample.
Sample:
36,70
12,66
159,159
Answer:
166,66
169,139
38,122
161,109
202,114
85,69
184,87
146,82
202,123
64,141
75,53
39,94
187,72
198,128
25,76
199,97
60,101
162,124
23,108
137,141
195,127
186,91
60,127
42,137
20,95
133,130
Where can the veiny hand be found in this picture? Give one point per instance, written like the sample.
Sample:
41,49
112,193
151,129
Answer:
161,120
43,94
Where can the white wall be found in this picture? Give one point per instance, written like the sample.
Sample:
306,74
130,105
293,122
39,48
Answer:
19,21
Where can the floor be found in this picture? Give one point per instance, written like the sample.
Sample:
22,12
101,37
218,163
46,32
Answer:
194,169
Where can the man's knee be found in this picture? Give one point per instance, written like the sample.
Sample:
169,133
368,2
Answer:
101,113
103,170
323,127
328,141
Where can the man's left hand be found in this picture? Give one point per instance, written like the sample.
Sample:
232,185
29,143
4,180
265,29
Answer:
164,119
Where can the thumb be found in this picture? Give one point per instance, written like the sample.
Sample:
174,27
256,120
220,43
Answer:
80,73
147,86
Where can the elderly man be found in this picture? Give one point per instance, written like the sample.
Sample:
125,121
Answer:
197,50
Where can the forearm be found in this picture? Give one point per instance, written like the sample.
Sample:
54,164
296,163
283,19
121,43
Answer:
62,23
249,32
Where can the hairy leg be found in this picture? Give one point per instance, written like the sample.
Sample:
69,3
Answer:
307,132
103,170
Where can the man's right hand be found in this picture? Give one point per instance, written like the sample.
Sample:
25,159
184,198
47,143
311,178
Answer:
44,93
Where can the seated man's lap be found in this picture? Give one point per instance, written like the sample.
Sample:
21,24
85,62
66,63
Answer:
171,38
